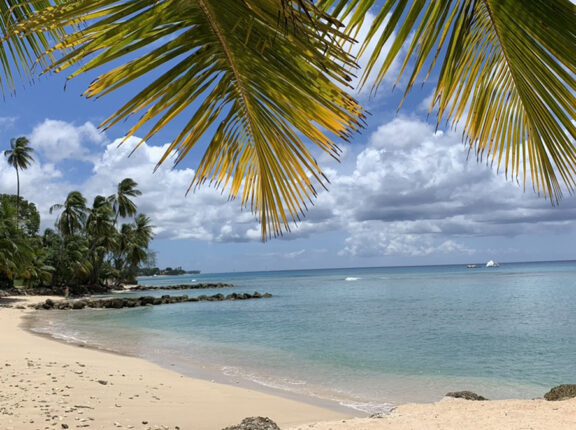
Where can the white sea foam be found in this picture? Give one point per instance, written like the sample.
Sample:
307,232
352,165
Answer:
65,337
370,407
302,387
350,278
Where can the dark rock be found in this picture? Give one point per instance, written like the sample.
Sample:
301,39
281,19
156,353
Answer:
48,304
129,302
203,286
561,392
255,423
113,303
146,300
468,395
78,305
102,382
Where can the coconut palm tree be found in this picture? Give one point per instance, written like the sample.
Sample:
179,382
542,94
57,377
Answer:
132,250
121,203
19,156
74,214
101,235
16,251
143,230
259,79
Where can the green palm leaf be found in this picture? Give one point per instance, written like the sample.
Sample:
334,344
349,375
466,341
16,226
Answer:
506,68
253,76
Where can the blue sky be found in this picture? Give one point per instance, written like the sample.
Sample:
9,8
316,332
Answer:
403,193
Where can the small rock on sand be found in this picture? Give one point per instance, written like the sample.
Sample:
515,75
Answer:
255,423
467,395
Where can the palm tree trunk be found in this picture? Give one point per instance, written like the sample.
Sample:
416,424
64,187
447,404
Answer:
17,198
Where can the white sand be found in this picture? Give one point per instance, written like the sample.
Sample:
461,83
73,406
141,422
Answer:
457,414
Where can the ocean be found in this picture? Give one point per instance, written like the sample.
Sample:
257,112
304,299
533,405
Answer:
364,338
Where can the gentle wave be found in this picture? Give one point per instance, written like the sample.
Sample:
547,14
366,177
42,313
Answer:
60,336
301,387
370,407
351,278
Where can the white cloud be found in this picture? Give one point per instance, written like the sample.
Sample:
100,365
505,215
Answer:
409,192
7,122
42,184
413,192
204,215
59,140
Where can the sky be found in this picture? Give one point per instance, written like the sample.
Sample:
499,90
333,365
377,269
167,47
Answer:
403,193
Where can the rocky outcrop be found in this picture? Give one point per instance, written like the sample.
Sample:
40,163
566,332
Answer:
86,290
204,286
561,392
133,302
255,423
74,291
467,395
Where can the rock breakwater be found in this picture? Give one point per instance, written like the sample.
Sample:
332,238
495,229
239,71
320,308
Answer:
130,302
203,286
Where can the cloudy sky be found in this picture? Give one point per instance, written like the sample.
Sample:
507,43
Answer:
403,193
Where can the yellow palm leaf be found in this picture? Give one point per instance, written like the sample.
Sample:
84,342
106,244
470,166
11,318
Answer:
258,78
506,68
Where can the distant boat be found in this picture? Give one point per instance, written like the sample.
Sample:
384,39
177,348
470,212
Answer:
471,266
492,263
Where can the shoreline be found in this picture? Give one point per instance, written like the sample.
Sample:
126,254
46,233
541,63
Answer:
47,383
201,373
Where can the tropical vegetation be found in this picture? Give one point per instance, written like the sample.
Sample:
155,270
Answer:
19,156
265,80
102,244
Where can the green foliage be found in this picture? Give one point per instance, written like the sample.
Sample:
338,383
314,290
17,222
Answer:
73,216
90,248
15,249
19,156
85,249
121,203
29,215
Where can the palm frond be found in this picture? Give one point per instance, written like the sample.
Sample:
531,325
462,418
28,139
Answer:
506,68
257,78
20,54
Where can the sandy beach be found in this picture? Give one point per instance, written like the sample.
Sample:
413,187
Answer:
458,414
51,385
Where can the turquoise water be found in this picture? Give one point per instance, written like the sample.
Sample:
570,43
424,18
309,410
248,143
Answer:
365,338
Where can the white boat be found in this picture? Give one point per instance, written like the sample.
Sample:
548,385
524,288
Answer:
492,263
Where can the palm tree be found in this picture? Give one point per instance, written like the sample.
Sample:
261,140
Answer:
101,234
19,156
133,249
16,251
121,203
73,216
259,78
144,230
